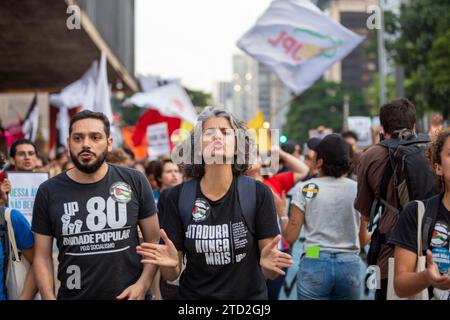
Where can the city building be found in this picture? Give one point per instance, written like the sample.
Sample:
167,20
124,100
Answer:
257,88
355,70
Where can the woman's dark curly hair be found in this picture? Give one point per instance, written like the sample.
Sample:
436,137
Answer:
434,153
194,164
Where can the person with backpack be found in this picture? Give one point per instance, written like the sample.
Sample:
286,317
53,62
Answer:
330,267
435,234
390,174
24,240
222,221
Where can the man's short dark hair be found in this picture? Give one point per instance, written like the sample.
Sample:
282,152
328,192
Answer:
87,114
349,134
397,114
13,149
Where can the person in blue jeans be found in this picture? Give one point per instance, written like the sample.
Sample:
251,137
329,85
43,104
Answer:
330,268
25,243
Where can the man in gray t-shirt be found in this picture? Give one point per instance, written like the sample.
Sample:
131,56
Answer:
93,211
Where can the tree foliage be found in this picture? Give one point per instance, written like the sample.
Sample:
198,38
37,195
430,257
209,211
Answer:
422,47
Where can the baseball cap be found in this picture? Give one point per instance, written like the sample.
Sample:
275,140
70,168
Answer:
313,143
332,149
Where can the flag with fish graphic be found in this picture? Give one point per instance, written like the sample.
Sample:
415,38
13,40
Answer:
298,42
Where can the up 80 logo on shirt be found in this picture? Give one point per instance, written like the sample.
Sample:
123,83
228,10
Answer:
102,227
98,218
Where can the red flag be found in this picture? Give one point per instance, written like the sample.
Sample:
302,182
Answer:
12,133
152,116
140,151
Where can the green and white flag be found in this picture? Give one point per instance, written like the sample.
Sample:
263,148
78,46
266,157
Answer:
298,42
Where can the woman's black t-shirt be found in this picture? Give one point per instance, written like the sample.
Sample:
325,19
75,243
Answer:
222,254
405,235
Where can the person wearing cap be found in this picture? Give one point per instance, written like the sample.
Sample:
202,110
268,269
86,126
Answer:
311,158
334,232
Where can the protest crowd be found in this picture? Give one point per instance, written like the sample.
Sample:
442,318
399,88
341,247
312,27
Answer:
217,207
223,229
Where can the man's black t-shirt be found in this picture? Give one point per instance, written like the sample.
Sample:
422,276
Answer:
95,226
405,235
222,254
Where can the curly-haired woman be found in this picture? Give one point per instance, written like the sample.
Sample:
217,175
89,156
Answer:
226,257
330,268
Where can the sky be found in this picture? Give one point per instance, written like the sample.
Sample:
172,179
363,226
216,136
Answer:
193,40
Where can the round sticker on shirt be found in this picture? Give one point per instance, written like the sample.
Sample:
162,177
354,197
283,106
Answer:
201,210
441,256
120,192
440,235
311,190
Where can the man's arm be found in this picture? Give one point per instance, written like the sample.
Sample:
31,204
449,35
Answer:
164,255
364,234
369,173
43,265
150,232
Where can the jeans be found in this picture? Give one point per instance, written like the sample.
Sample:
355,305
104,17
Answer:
332,276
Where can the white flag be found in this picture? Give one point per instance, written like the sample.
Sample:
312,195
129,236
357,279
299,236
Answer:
298,42
80,93
148,83
90,92
103,95
170,100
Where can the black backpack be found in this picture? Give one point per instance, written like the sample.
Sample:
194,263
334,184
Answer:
247,199
412,178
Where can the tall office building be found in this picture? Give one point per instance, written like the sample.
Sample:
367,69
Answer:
223,94
245,87
257,88
114,19
357,68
